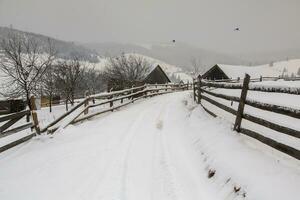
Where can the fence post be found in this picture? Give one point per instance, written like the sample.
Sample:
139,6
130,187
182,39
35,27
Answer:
86,103
199,90
240,112
132,91
145,88
34,115
111,104
194,89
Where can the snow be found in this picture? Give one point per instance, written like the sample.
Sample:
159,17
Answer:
168,69
235,72
291,66
277,69
270,116
292,86
159,148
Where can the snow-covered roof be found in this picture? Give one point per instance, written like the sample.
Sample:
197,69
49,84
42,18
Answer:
288,67
153,67
234,71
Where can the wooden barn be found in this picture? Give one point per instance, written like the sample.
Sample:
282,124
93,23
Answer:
221,71
156,75
215,73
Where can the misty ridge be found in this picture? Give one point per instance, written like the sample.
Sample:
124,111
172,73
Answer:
178,54
64,49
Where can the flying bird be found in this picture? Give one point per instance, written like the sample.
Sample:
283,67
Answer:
237,29
173,41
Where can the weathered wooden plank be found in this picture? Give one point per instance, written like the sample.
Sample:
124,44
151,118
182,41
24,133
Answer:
239,115
273,126
64,115
17,142
9,124
86,105
199,83
101,112
194,90
17,129
117,93
208,111
223,96
223,85
117,99
14,115
275,108
226,108
275,90
272,143
115,107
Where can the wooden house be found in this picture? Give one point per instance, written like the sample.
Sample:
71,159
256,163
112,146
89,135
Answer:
215,73
221,71
156,75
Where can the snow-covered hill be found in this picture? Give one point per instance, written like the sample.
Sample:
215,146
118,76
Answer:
287,67
283,68
170,70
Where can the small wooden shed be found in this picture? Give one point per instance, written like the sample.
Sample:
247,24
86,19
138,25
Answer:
156,75
222,71
215,73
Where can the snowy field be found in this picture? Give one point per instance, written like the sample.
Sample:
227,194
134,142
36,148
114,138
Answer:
279,99
160,148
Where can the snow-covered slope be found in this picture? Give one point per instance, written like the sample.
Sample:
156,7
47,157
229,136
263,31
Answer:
161,148
290,67
170,70
286,68
234,72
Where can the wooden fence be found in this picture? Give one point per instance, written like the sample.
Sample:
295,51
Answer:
201,92
11,125
80,111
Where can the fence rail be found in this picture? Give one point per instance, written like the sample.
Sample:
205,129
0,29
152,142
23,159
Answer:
11,119
201,92
80,111
253,86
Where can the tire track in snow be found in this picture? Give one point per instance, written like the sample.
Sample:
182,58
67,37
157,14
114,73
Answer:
170,187
126,159
116,179
97,181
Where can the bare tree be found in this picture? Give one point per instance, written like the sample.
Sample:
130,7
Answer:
125,71
49,84
284,72
24,61
298,73
196,64
68,75
93,81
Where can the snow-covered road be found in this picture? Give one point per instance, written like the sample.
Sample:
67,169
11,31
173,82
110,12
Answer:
147,150
135,153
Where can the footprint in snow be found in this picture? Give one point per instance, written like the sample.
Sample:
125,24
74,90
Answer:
159,125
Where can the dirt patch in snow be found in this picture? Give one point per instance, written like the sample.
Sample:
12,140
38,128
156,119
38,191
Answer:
160,124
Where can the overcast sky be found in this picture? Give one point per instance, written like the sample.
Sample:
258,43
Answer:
264,24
